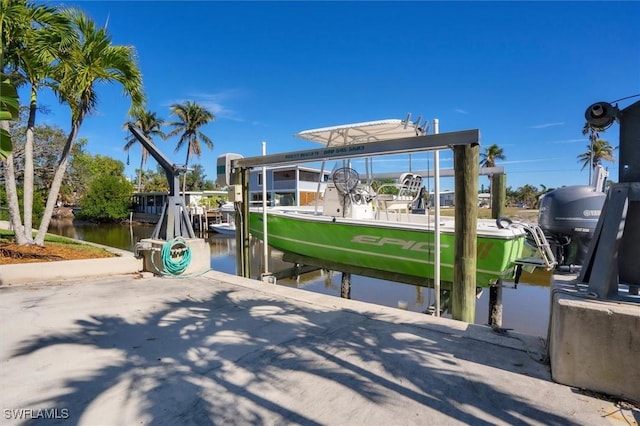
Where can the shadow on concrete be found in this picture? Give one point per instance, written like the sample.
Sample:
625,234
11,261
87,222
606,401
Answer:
219,360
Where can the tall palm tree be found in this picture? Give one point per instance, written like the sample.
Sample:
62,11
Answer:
593,149
191,117
597,152
490,155
488,159
33,38
150,125
92,59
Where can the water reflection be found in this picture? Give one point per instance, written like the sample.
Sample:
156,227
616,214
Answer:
525,309
113,235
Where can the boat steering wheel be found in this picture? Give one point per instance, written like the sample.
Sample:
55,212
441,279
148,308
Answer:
345,179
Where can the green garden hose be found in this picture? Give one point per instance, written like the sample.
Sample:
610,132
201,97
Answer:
171,265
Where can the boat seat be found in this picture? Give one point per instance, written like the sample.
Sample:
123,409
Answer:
409,188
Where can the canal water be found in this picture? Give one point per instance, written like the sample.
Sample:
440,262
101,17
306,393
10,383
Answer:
525,308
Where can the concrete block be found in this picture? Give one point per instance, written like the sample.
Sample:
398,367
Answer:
152,256
594,344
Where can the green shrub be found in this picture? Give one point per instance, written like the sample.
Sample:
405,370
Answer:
38,204
107,200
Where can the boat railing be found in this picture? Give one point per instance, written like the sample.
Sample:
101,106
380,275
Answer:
547,258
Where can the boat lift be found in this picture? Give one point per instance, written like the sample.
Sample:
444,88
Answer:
459,141
173,248
174,220
612,257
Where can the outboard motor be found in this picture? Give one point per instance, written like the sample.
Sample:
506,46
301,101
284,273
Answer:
568,216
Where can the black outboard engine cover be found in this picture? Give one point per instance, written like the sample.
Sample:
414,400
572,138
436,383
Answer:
569,216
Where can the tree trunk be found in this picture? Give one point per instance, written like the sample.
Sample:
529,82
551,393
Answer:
140,171
184,185
12,195
184,179
57,183
12,201
28,168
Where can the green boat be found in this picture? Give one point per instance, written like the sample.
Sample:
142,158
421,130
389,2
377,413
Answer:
390,236
404,249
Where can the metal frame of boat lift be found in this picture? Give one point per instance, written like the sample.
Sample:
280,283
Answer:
174,221
612,258
241,167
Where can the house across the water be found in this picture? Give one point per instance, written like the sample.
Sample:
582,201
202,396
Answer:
286,186
147,206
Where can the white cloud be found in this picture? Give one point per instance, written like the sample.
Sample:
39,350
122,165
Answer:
545,125
461,111
533,160
570,140
217,103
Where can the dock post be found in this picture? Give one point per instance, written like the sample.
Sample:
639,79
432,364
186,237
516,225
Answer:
463,292
498,194
239,251
246,239
495,305
498,189
345,286
243,250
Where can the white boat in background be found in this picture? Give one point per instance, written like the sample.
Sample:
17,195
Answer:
227,226
224,228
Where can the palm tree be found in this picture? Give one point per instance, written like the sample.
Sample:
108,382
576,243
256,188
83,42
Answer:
490,155
50,43
488,159
150,125
191,117
604,150
597,152
33,38
9,110
92,59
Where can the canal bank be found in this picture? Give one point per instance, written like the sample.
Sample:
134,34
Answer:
222,349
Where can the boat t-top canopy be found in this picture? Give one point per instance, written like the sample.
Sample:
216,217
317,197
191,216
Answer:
365,132
387,143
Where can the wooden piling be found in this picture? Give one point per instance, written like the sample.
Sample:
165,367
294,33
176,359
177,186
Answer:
498,195
243,253
345,286
463,298
498,201
495,305
246,239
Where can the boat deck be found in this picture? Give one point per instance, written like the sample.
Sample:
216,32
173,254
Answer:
485,227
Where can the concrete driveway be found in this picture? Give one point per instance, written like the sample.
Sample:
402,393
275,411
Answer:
219,349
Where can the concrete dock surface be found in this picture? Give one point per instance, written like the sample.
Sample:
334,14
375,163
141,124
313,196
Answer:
220,349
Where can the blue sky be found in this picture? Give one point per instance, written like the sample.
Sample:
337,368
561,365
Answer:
521,72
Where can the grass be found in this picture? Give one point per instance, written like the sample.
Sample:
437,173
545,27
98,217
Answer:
56,248
7,236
